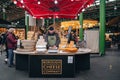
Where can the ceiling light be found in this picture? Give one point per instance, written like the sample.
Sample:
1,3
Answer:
72,0
75,18
23,6
21,1
56,2
38,2
34,17
41,17
15,2
49,17
88,5
3,10
57,17
83,10
115,7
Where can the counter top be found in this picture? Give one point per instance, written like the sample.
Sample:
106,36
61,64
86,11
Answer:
18,52
80,51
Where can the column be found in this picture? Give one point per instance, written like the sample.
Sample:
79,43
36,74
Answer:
4,13
26,23
81,26
102,27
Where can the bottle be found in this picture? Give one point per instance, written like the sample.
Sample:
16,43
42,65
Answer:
18,43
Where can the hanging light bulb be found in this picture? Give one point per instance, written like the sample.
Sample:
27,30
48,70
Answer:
88,5
49,17
38,2
57,17
75,18
56,2
23,6
15,2
34,17
115,7
21,1
3,10
83,10
41,17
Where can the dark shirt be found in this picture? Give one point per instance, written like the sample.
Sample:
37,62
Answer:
57,39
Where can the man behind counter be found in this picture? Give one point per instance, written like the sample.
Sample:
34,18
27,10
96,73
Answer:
52,39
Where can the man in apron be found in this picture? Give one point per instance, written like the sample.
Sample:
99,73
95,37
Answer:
52,39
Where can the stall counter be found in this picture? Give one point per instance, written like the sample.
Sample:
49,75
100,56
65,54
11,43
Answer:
62,64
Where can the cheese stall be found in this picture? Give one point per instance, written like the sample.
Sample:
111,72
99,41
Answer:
66,61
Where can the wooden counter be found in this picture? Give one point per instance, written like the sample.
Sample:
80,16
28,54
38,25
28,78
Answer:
52,64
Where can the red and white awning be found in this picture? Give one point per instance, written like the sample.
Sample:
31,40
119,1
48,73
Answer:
53,8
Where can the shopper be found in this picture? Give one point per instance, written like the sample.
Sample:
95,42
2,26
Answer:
1,46
11,45
2,41
52,39
5,44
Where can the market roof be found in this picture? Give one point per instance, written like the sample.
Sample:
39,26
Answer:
14,12
53,8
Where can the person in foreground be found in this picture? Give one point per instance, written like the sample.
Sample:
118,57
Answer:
11,45
52,39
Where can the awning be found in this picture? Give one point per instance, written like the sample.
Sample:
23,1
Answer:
53,8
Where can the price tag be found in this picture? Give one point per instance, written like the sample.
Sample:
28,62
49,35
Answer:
70,59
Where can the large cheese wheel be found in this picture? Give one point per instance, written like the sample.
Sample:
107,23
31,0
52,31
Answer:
69,49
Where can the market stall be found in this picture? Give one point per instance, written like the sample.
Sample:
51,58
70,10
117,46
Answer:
75,24
53,61
38,61
61,64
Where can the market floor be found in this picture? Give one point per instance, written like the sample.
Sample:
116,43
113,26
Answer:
102,68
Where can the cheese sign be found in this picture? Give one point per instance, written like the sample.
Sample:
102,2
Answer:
51,66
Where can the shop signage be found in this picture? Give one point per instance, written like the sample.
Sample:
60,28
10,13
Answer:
51,66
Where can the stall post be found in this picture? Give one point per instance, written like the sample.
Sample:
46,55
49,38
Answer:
27,23
47,22
4,14
102,27
81,26
54,19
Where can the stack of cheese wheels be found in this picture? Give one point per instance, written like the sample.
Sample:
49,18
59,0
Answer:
28,44
63,43
30,35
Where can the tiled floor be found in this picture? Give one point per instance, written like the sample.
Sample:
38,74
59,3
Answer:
102,68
